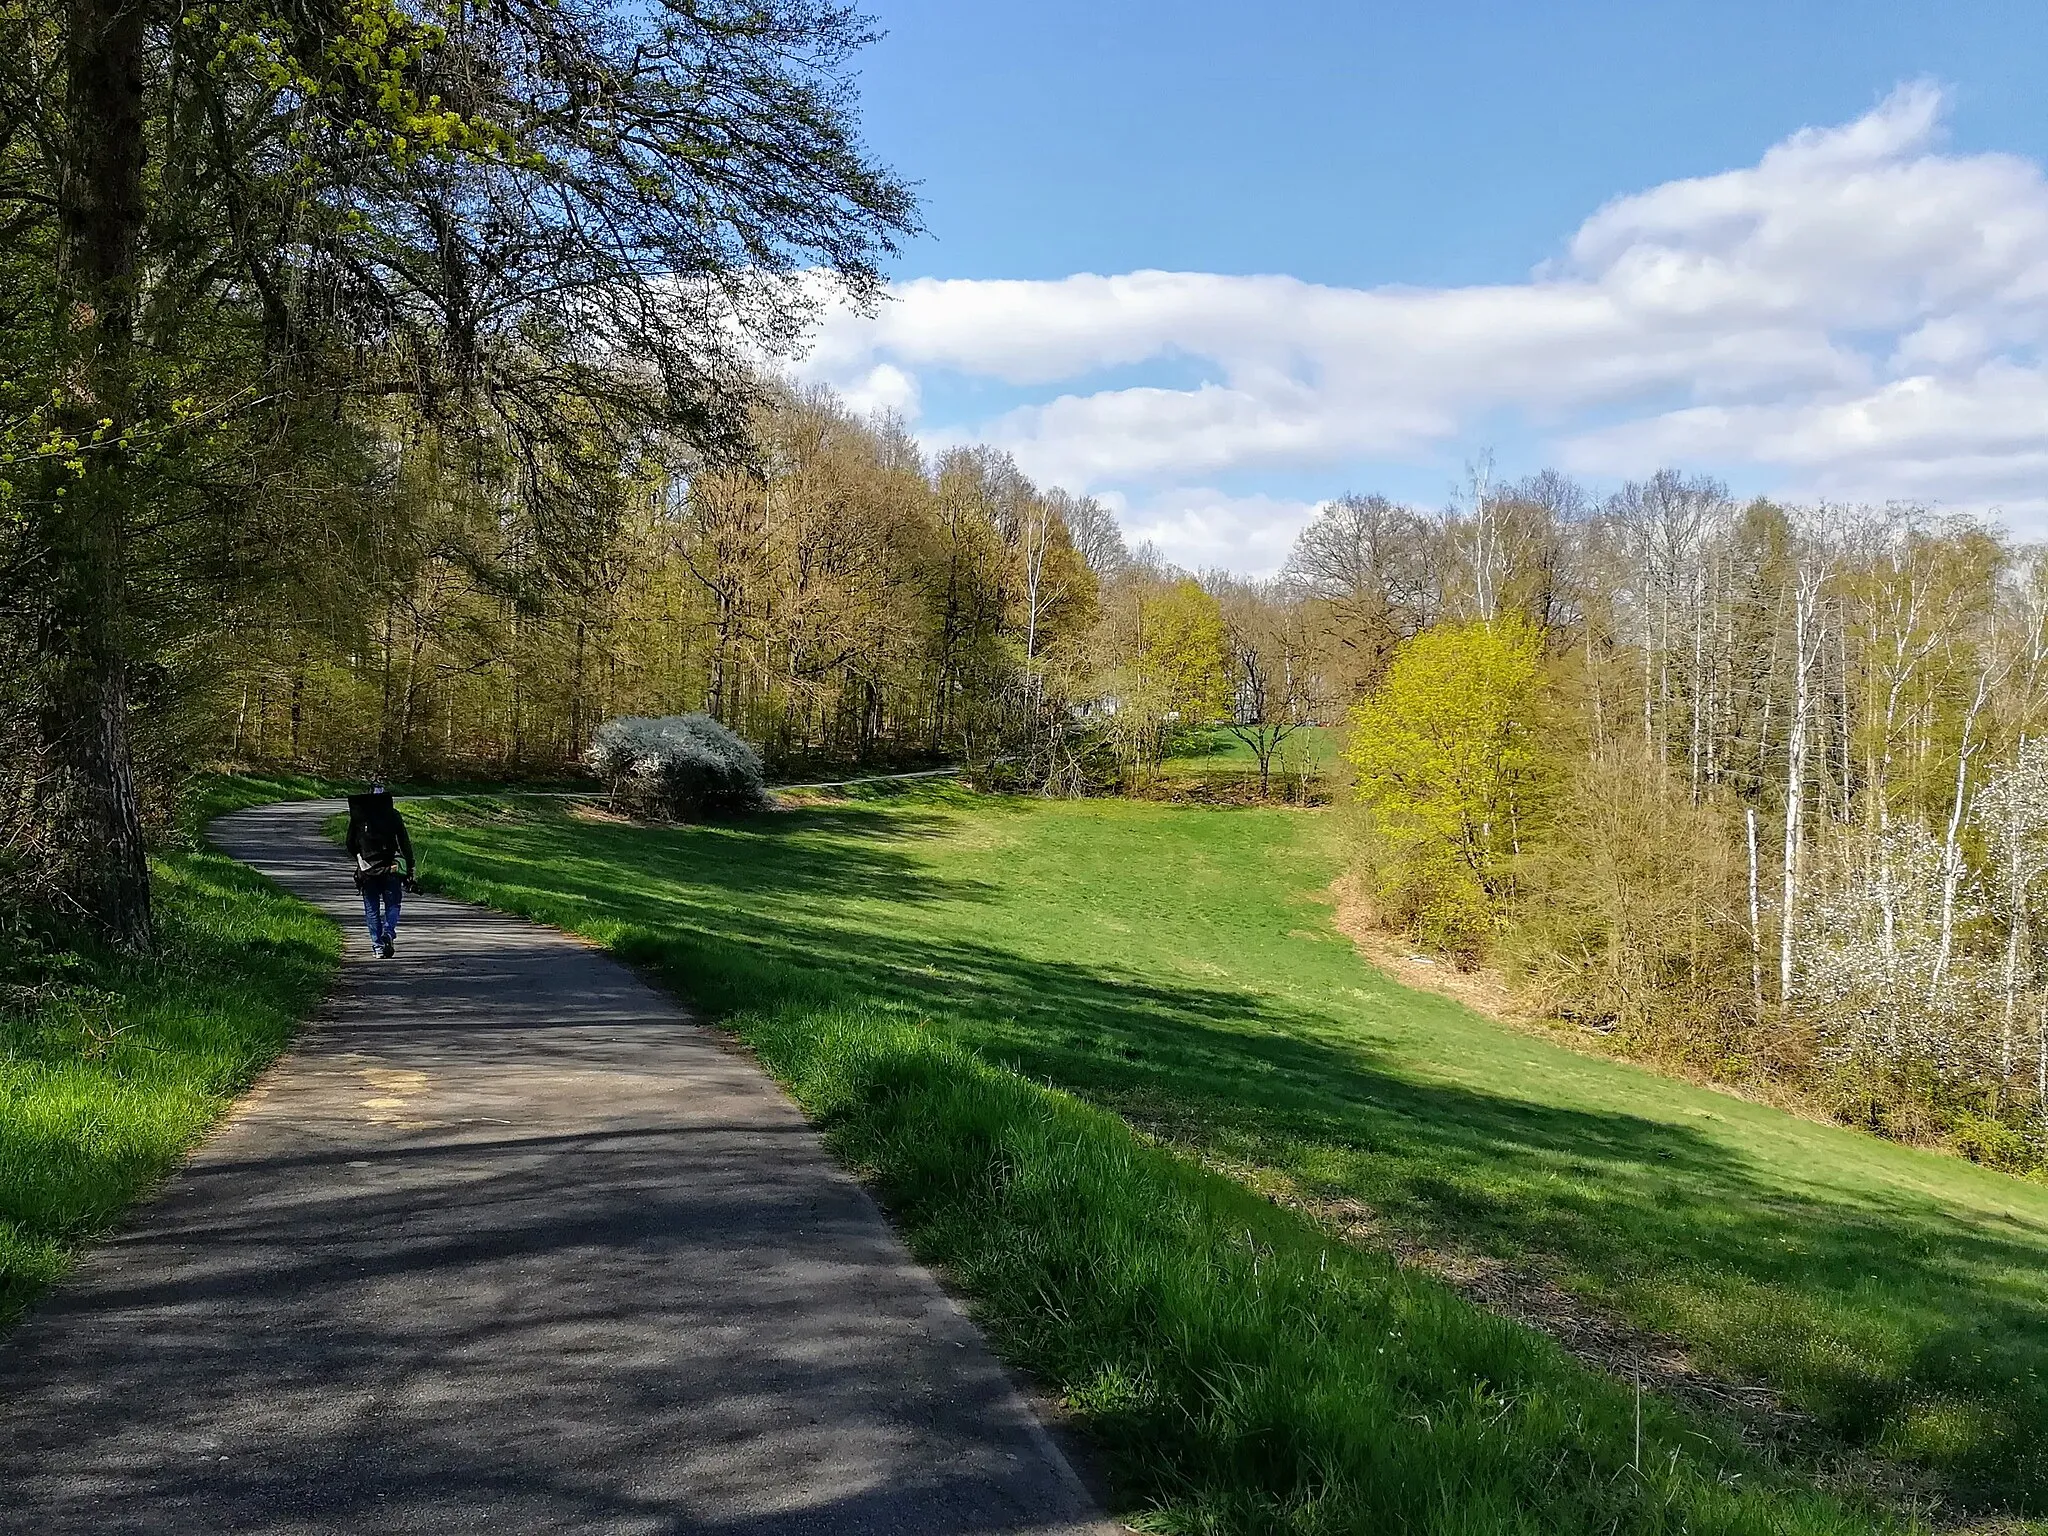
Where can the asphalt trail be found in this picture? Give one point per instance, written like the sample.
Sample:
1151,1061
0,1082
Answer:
507,1244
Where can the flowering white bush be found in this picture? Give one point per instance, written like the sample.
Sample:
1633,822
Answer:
677,767
1881,984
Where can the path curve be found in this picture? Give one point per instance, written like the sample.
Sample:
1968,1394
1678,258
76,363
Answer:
508,1244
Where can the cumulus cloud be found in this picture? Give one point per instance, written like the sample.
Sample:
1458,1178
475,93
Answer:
1202,528
1860,312
883,389
1977,439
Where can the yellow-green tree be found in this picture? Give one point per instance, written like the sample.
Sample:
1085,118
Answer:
1448,761
1186,654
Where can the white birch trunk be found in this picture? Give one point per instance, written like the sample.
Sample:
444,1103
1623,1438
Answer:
1951,844
1805,598
2015,929
2041,1058
1842,654
1699,652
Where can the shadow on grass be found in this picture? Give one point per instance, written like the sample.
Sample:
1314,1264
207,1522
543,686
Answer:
111,1065
1903,1329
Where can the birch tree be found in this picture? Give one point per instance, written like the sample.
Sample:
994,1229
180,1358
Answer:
1808,578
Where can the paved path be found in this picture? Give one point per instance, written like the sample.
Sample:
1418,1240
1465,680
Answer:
509,1245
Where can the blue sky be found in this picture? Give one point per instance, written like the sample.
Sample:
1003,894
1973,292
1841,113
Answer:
1853,314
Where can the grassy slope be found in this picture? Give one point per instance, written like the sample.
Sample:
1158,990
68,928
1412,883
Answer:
1175,965
111,1068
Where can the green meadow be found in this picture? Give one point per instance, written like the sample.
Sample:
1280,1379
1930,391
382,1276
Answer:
979,997
112,1067
1214,750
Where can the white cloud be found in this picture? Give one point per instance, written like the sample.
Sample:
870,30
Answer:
1203,529
1858,312
1978,439
883,389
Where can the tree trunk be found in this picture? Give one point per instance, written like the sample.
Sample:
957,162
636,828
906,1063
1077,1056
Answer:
386,720
2041,1057
1842,655
576,723
1649,688
85,512
1696,745
1756,930
409,700
2014,938
1805,599
298,715
1952,868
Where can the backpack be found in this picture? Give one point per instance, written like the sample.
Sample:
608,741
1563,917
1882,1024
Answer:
375,834
378,846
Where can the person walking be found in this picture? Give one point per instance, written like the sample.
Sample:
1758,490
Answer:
379,844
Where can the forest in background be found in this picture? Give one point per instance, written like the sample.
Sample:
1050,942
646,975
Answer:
305,312
837,599
1754,791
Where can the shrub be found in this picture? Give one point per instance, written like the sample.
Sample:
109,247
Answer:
677,767
1984,1140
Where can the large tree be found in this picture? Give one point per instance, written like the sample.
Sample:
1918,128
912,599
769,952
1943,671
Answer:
550,229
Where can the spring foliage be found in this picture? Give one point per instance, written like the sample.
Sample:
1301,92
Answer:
1751,790
1445,753
1183,653
319,319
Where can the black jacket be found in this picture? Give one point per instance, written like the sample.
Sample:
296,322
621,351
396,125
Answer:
374,823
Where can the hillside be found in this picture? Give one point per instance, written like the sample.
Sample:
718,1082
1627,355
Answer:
1180,967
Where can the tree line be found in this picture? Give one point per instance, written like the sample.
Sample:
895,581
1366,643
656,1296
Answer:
837,596
381,390
1756,790
1753,790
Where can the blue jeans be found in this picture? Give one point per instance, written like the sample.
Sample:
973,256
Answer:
382,897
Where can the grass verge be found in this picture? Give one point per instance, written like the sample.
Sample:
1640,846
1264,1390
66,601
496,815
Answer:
1239,1370
946,984
112,1067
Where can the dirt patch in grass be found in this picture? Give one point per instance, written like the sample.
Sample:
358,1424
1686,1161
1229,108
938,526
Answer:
1483,991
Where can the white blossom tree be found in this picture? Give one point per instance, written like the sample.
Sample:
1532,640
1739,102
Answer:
2011,814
